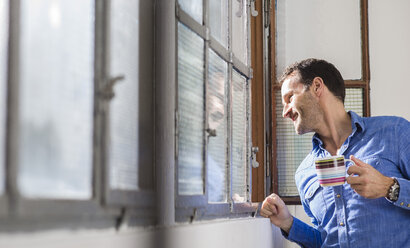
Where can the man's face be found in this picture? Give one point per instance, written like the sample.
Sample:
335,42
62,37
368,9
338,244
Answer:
300,105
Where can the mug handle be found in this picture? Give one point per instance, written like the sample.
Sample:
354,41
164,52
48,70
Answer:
349,160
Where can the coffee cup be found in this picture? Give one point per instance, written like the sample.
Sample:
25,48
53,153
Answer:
331,171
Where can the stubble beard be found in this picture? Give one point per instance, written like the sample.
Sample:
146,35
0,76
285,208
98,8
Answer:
308,117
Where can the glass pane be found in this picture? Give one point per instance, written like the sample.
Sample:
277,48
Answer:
218,20
291,150
217,120
4,22
321,29
240,30
354,100
193,8
131,110
56,99
239,140
191,114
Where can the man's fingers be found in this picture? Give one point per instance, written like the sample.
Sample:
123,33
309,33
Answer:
355,170
354,180
269,206
269,210
265,213
358,162
272,206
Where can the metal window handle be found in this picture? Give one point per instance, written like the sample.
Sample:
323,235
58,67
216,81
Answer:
254,150
211,132
253,11
108,91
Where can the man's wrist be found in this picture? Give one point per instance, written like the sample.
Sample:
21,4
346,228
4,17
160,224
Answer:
390,182
288,225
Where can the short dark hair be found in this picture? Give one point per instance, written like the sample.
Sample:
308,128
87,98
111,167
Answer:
308,69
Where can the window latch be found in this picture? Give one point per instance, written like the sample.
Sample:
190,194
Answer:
254,150
108,90
211,132
253,10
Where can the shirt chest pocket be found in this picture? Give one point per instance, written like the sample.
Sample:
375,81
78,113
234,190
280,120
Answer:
383,165
314,197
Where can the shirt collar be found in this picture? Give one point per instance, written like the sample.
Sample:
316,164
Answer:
357,126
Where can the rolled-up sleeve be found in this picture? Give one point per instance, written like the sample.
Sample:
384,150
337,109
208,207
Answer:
303,234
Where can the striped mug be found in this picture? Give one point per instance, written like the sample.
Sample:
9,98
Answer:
331,171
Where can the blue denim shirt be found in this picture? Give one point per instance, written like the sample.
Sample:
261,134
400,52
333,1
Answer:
343,218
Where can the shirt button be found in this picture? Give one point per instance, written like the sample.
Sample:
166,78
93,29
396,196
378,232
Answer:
408,205
342,224
402,203
338,196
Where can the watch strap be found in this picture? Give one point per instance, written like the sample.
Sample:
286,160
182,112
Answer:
394,191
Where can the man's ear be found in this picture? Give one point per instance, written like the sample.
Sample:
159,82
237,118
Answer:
318,86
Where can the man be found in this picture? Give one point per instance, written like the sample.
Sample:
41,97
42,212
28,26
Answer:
373,208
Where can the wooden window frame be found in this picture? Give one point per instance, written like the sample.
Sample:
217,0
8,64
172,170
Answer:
264,136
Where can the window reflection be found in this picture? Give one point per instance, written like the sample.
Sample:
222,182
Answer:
239,141
191,112
217,121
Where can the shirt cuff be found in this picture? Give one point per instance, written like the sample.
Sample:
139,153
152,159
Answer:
404,194
303,234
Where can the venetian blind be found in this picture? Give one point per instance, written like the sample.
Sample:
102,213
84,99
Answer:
217,120
354,100
291,150
239,140
131,110
191,114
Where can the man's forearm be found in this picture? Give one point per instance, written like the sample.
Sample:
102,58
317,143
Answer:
303,234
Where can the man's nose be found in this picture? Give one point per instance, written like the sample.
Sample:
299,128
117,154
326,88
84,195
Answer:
286,110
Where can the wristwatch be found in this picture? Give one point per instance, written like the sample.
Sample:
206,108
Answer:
394,190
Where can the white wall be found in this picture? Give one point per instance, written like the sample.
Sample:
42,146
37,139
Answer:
389,51
249,232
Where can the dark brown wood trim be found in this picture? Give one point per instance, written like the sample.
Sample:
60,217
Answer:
274,87
366,101
291,200
365,54
365,40
258,103
355,84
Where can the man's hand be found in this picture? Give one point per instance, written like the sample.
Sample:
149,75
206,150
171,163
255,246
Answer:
274,208
367,181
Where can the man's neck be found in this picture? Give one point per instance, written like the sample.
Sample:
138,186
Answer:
335,130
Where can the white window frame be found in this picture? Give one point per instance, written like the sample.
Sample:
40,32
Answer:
196,207
106,208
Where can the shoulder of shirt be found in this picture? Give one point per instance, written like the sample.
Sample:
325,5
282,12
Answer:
382,122
306,163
